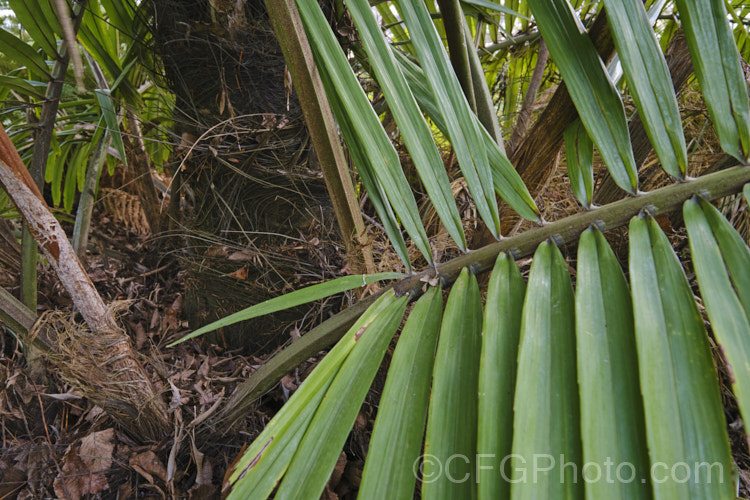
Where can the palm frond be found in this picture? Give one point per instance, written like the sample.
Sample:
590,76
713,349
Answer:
643,365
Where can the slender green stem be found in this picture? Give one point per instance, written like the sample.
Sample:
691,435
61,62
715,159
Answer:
29,258
88,196
453,21
485,106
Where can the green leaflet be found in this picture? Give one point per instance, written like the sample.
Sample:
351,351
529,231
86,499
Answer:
110,118
730,321
462,127
75,165
372,186
31,16
22,86
684,418
53,174
22,53
649,82
506,181
257,472
103,47
451,439
414,129
579,155
546,432
369,135
494,6
321,445
120,14
392,23
612,423
595,96
292,299
497,377
399,429
717,68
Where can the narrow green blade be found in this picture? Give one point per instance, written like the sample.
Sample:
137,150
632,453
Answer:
120,14
463,130
30,15
729,319
579,155
399,428
321,446
24,87
612,423
262,471
648,79
257,473
494,6
412,125
369,180
684,418
734,251
497,377
22,53
293,299
717,67
451,441
546,432
370,136
507,182
393,24
110,118
595,96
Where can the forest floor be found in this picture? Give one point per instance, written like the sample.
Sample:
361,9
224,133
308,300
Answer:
55,443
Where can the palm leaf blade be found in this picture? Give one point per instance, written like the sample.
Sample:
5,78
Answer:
717,67
414,130
497,376
579,156
22,53
508,184
30,15
612,425
684,417
734,251
649,82
322,443
729,319
292,299
257,472
452,418
546,421
399,429
463,130
598,103
377,149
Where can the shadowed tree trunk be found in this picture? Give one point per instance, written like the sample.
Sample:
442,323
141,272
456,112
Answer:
257,183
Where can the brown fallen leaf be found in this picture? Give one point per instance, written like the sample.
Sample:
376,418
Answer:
171,321
140,336
240,274
148,465
84,466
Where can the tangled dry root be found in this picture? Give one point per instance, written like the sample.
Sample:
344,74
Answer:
115,385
